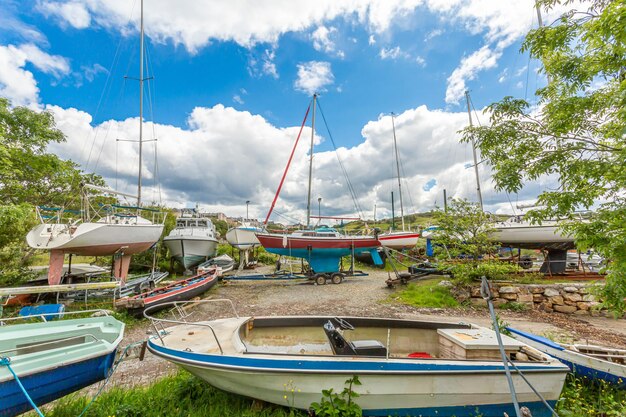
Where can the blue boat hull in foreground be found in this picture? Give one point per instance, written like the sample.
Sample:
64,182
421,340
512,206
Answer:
47,386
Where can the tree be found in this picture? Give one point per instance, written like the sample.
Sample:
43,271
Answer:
30,176
575,134
463,230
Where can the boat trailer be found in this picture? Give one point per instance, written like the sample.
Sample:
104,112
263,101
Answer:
422,270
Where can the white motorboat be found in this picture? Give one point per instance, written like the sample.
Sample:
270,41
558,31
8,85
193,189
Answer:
406,367
194,240
516,230
243,237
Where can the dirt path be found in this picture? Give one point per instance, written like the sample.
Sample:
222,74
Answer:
363,296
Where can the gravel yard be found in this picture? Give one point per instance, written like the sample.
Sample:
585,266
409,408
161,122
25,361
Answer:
363,296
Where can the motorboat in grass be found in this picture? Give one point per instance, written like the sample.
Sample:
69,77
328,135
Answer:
322,247
584,360
224,264
194,240
54,358
158,298
406,367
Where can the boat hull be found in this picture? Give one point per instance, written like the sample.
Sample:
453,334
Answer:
243,238
47,386
322,253
452,390
95,239
580,364
399,240
190,251
524,234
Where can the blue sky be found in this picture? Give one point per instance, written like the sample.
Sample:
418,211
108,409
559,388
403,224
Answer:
227,71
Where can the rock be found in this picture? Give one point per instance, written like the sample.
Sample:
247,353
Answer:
545,306
537,290
551,292
538,298
570,289
461,294
499,301
581,312
447,284
556,299
569,303
510,297
509,290
565,309
583,290
478,302
589,297
583,306
572,296
475,291
525,298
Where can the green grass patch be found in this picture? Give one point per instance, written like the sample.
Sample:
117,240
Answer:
513,306
180,395
428,294
584,398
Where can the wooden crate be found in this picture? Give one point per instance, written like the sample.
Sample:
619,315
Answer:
479,343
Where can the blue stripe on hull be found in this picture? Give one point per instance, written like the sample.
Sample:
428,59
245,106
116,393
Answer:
323,260
537,409
49,385
591,373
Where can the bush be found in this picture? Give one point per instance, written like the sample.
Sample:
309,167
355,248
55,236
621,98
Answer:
339,405
468,272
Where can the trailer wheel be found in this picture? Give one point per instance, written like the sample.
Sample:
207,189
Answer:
336,278
320,279
525,262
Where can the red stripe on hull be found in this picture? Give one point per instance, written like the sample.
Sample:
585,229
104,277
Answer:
412,236
269,241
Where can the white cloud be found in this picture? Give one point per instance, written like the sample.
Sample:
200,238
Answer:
16,82
237,99
392,53
263,65
72,12
482,59
314,76
420,61
323,41
371,40
433,34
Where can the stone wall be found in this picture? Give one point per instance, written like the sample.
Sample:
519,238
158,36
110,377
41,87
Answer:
562,298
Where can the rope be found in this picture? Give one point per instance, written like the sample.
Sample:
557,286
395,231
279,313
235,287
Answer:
282,180
7,362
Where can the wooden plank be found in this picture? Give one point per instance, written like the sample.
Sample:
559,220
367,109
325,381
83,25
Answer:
59,288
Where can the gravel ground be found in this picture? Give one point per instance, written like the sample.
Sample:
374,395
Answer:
359,296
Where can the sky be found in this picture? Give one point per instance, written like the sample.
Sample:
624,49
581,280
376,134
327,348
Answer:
228,85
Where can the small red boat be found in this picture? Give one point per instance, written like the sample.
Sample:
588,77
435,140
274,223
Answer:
177,291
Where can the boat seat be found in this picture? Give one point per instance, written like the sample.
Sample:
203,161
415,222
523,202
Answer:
342,347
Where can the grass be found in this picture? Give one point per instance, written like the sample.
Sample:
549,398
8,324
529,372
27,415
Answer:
172,396
513,306
427,294
583,398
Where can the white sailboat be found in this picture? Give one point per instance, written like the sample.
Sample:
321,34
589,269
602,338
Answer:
111,230
398,239
194,239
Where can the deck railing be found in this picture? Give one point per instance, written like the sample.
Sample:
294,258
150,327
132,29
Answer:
179,308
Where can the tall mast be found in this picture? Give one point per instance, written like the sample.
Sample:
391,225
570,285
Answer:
469,113
140,107
308,201
395,146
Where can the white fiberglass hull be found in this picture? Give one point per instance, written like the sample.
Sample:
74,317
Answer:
191,250
243,238
399,240
95,239
524,232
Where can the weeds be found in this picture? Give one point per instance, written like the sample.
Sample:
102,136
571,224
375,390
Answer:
428,294
339,405
584,398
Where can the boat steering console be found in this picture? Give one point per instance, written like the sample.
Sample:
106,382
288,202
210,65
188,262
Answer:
343,347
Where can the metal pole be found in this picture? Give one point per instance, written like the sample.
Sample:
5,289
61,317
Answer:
140,107
319,209
247,215
469,113
393,222
445,201
308,201
395,146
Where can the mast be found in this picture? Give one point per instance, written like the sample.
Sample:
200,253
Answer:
395,146
478,192
140,107
308,201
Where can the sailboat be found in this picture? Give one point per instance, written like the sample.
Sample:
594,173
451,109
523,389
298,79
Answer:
324,246
398,239
112,229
